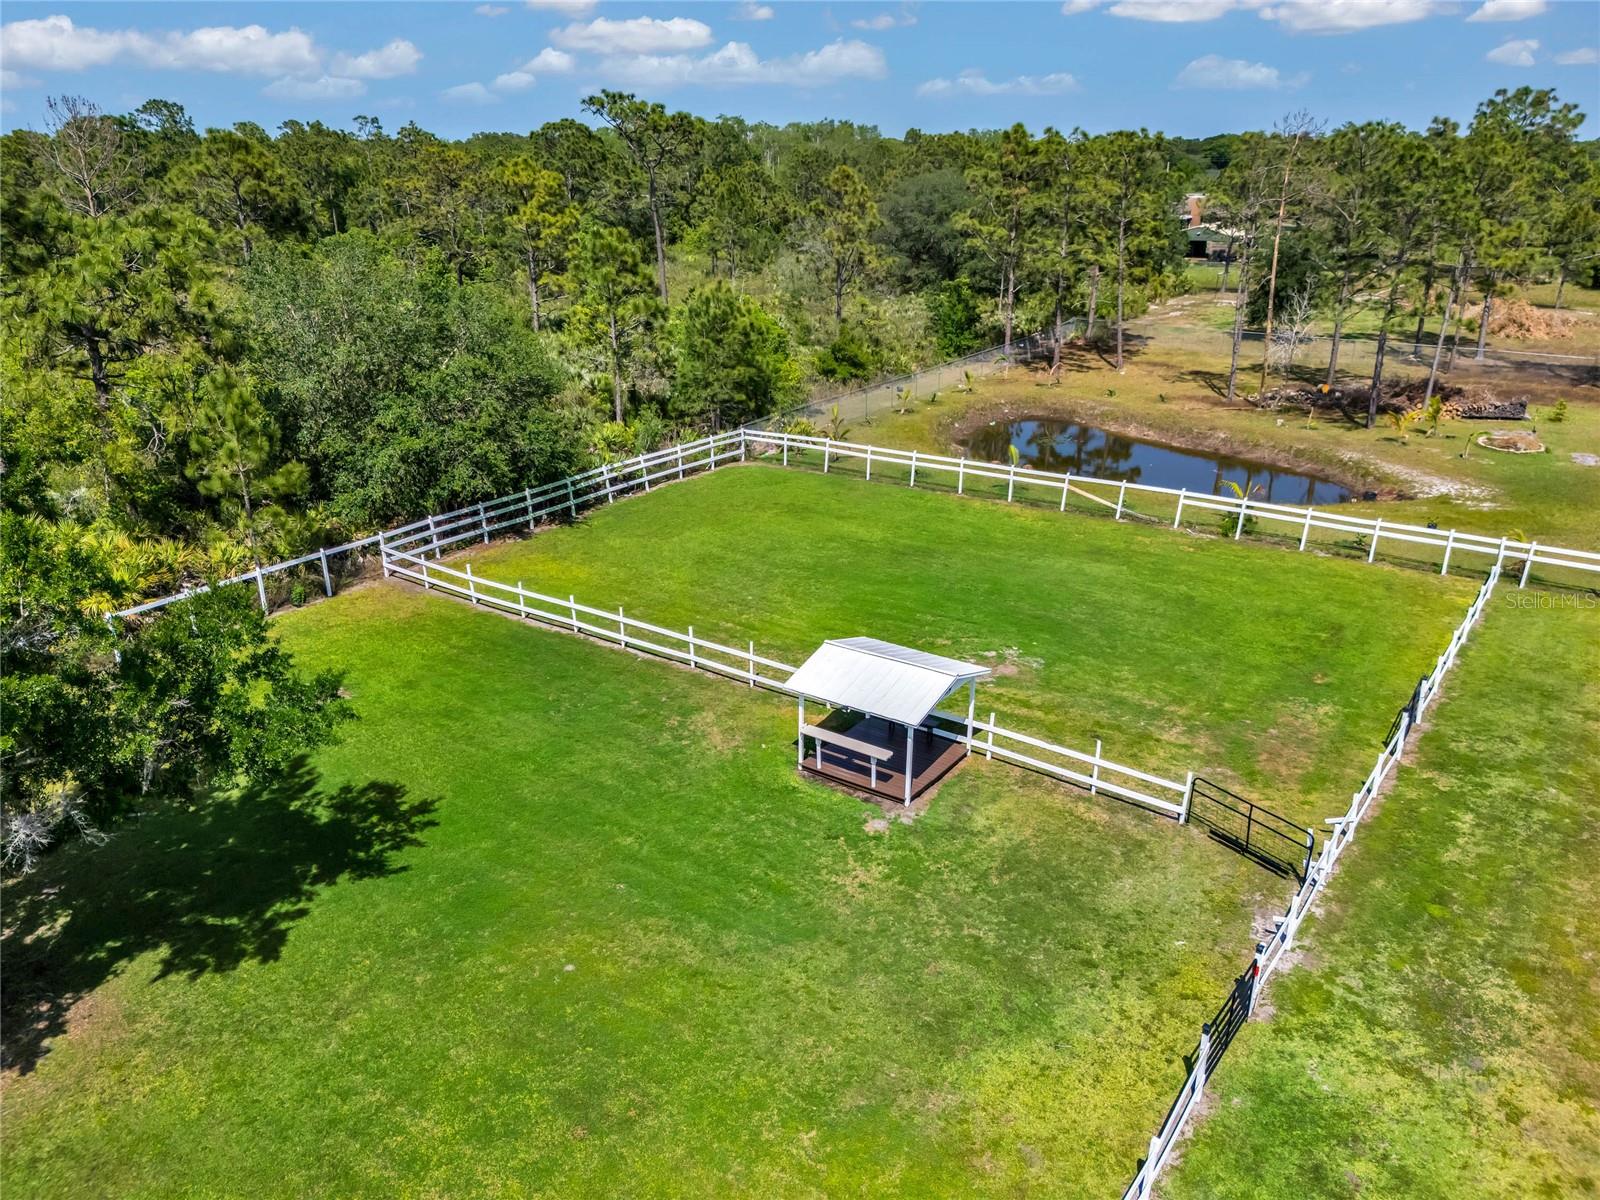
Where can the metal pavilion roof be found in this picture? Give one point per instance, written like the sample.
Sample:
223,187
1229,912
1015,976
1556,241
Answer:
881,679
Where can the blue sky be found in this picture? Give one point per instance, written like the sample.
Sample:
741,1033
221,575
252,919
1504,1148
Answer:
1186,67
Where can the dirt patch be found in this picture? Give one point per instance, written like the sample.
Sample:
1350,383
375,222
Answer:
1511,442
1586,460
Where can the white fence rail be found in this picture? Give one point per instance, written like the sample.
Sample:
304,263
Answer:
1270,955
1093,772
1119,496
605,483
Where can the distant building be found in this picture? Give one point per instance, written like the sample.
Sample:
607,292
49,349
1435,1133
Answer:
1193,208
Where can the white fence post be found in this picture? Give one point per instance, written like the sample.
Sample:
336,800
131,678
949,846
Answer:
572,603
327,580
383,553
1182,495
786,449
261,590
483,520
522,600
527,496
1449,545
572,500
472,586
913,471
1527,564
1306,532
869,463
752,664
1066,486
1203,1059
692,663
605,478
961,476
433,539
1377,529
1011,484
622,627
1188,799
826,445
989,753
1238,528
1122,494
1094,772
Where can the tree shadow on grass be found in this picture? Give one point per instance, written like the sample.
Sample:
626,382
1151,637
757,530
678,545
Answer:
206,888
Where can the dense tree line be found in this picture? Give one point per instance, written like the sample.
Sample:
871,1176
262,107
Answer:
229,346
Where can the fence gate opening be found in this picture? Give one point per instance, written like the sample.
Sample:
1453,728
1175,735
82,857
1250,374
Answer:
1260,834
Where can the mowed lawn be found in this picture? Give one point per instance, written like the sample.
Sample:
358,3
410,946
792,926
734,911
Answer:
554,920
1274,673
1441,1038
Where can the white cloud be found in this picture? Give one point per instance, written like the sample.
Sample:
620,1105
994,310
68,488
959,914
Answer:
887,20
491,10
1214,73
55,43
1584,56
1348,16
751,11
399,57
638,35
549,61
326,87
1173,10
472,93
973,82
736,64
1297,16
1508,10
1518,52
15,79
570,8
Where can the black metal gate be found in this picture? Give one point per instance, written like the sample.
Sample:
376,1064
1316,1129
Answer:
1260,834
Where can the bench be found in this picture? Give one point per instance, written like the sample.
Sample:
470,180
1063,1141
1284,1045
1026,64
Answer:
873,754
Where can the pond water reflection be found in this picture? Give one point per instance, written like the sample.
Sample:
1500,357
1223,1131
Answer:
1066,446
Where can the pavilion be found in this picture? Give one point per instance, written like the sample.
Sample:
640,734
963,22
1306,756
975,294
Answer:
882,736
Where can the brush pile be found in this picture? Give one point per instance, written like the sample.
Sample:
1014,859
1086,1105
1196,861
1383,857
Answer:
1402,395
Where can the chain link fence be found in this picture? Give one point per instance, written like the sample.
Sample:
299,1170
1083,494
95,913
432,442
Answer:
896,391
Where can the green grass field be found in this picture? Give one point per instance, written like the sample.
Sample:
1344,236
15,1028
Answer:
1441,1037
1181,653
615,946
557,920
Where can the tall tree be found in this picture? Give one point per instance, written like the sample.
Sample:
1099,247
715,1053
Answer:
1294,131
541,224
842,221
1137,197
659,142
615,307
235,454
237,184
1005,184
96,169
733,361
1409,179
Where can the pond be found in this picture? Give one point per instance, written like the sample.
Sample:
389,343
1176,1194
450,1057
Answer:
1065,446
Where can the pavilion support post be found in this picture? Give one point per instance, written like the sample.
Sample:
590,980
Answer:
800,738
972,704
910,770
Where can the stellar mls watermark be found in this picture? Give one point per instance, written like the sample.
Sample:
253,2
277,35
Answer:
1520,599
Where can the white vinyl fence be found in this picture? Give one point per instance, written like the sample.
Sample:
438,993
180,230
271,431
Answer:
1093,772
1270,955
1120,498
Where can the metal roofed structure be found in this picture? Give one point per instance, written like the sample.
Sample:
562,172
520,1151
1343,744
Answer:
889,685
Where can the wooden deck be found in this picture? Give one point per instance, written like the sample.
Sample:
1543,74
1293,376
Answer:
933,758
